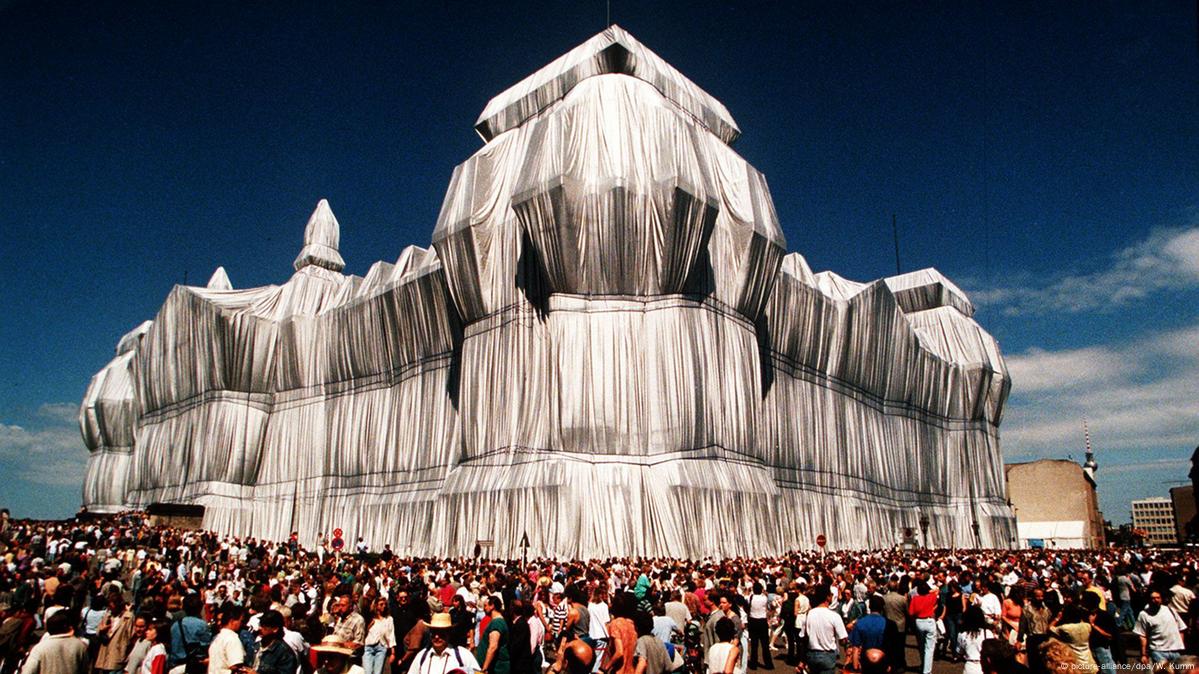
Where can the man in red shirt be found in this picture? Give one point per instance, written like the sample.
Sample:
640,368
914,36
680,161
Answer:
446,592
922,607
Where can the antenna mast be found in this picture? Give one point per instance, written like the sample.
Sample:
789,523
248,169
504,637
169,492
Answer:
895,236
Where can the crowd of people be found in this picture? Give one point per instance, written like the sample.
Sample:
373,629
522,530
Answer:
116,595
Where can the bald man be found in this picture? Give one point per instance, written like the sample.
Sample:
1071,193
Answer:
874,661
576,657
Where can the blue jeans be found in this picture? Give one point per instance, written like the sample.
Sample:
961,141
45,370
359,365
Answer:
374,658
822,662
1103,658
926,642
1164,656
951,634
1124,614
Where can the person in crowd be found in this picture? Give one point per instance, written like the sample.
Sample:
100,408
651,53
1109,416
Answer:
874,661
787,619
463,620
665,628
345,623
61,652
141,643
869,632
492,651
953,604
1182,599
759,629
1160,630
274,655
826,633
1010,612
115,635
676,609
922,608
379,647
1105,633
999,657
156,658
1074,629
895,609
190,637
90,620
442,657
1035,621
990,604
334,657
1056,657
578,657
1086,581
650,651
1127,584
555,613
724,657
975,630
598,609
226,651
524,656
578,619
619,656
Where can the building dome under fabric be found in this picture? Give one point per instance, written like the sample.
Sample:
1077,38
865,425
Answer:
607,347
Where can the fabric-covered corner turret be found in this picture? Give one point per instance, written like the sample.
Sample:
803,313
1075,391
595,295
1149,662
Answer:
321,239
219,280
108,421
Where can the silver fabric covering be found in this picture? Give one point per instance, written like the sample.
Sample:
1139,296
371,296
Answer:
607,348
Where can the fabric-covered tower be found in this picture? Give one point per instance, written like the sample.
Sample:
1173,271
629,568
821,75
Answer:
607,348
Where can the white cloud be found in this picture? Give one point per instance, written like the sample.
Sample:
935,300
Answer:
1168,259
47,451
1140,396
66,413
1039,370
1178,466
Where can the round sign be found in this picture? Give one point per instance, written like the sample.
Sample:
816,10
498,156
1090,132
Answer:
338,543
821,540
337,533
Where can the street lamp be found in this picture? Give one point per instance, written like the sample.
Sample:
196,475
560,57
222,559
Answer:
924,529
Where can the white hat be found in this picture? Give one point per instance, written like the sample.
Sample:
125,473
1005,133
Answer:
331,644
557,588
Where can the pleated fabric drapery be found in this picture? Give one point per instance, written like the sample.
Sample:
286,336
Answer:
607,348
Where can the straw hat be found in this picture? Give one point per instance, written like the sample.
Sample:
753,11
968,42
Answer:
331,644
440,621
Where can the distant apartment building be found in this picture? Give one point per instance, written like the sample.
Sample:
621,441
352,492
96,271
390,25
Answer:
1055,504
1183,500
1155,516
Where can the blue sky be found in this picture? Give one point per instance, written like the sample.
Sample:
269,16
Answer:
1043,155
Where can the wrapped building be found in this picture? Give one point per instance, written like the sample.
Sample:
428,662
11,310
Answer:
607,348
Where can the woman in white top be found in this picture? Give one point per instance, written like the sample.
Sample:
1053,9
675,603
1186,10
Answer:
724,656
974,632
155,661
380,641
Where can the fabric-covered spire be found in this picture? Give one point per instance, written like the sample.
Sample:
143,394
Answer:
321,238
219,280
